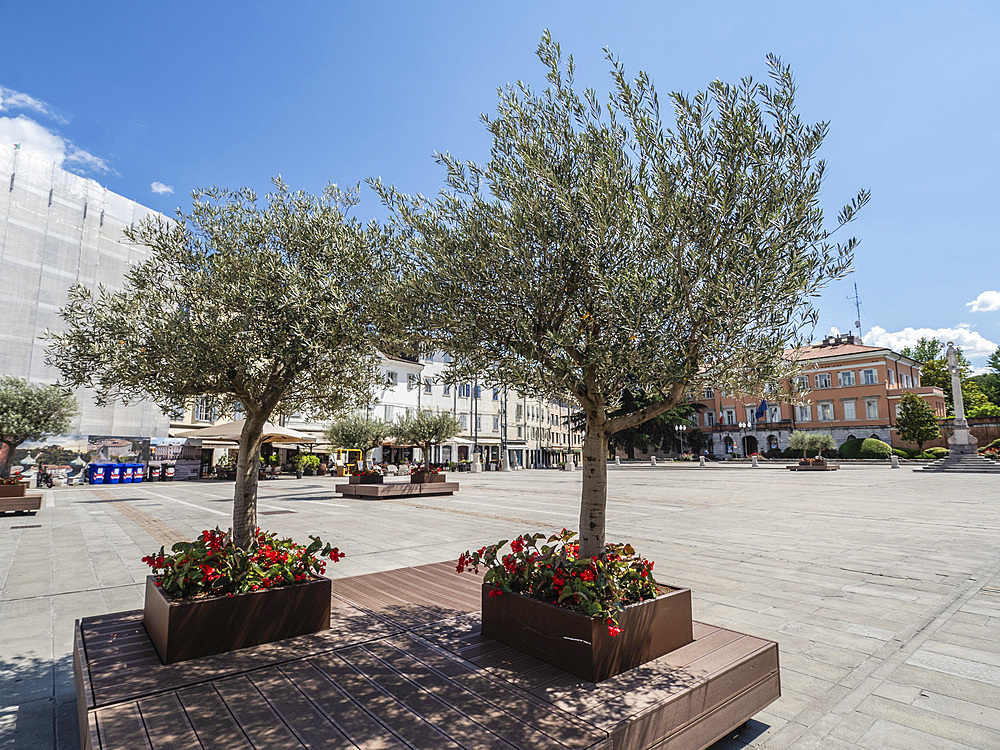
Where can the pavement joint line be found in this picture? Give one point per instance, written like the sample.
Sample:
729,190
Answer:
185,502
879,666
75,591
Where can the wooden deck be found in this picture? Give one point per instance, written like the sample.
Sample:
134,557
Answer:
405,666
396,489
27,502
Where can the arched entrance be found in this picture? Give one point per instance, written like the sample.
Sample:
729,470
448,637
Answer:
749,445
728,443
772,443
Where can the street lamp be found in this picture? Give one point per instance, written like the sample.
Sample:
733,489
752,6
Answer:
680,429
743,438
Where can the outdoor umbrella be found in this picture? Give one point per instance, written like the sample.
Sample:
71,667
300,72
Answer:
232,431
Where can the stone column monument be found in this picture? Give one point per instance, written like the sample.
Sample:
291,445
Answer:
961,440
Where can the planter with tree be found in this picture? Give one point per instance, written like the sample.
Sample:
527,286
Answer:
427,429
310,464
816,442
589,258
358,432
272,306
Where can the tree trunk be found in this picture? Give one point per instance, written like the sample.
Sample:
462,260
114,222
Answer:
593,505
7,458
247,473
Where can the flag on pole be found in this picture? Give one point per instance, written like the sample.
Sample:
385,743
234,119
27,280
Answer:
761,410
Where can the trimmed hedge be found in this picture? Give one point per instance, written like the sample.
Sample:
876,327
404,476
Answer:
902,452
936,452
851,448
874,448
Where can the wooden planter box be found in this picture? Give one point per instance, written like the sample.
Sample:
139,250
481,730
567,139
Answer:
580,644
183,630
13,490
426,478
355,479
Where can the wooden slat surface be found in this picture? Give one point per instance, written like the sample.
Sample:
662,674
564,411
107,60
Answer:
396,489
406,667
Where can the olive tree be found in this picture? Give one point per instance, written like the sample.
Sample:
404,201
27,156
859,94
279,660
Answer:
265,304
599,250
358,431
30,411
427,429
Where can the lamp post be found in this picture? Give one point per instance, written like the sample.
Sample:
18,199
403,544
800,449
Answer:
743,438
679,430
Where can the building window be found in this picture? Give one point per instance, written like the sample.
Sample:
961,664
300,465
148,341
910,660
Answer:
204,409
845,378
518,413
709,393
464,390
774,413
447,389
388,412
803,413
411,382
392,377
892,377
479,391
709,418
871,408
824,411
238,412
520,431
822,380
898,407
479,423
729,416
496,424
751,411
176,413
869,377
849,412
464,419
496,394
802,382
427,385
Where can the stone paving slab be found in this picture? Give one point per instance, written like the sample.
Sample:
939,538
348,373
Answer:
882,587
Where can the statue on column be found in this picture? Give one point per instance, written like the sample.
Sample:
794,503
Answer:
961,440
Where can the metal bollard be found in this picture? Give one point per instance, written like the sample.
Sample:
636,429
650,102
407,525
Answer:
701,460
652,460
894,460
754,462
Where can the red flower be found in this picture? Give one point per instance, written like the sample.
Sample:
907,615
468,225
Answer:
496,592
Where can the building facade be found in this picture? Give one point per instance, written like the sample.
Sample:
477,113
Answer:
852,391
58,229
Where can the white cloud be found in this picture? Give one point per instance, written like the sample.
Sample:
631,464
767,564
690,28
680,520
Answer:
985,302
161,189
10,99
834,331
972,343
49,146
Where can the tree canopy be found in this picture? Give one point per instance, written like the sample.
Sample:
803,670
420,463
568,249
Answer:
30,411
427,429
269,304
358,431
599,250
916,421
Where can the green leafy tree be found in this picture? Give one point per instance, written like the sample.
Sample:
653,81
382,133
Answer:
600,251
916,422
804,441
358,431
989,384
975,401
934,366
652,434
267,304
799,441
29,411
427,429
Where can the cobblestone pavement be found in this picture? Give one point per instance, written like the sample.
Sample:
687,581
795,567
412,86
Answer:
881,587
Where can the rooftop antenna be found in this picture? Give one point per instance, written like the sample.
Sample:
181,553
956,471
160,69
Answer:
857,310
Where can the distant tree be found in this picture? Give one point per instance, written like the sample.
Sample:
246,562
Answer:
427,429
359,432
30,411
994,361
925,349
916,422
989,384
975,401
601,249
811,441
653,433
799,441
272,307
934,366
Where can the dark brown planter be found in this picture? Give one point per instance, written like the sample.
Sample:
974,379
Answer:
183,630
13,490
356,479
580,644
426,478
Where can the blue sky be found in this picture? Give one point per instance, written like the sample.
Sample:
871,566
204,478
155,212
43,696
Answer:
155,99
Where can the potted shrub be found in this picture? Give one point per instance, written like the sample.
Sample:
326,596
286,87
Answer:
593,617
424,475
210,596
366,476
12,486
309,464
297,463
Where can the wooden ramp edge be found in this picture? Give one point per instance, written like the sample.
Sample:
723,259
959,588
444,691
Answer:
405,665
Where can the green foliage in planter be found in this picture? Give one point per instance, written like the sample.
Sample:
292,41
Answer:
213,565
600,586
875,448
309,462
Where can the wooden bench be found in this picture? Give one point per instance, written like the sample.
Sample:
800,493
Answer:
21,504
396,489
406,666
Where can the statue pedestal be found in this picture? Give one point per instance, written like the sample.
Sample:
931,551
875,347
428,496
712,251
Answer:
962,440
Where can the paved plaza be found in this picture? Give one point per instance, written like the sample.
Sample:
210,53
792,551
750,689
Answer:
881,586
